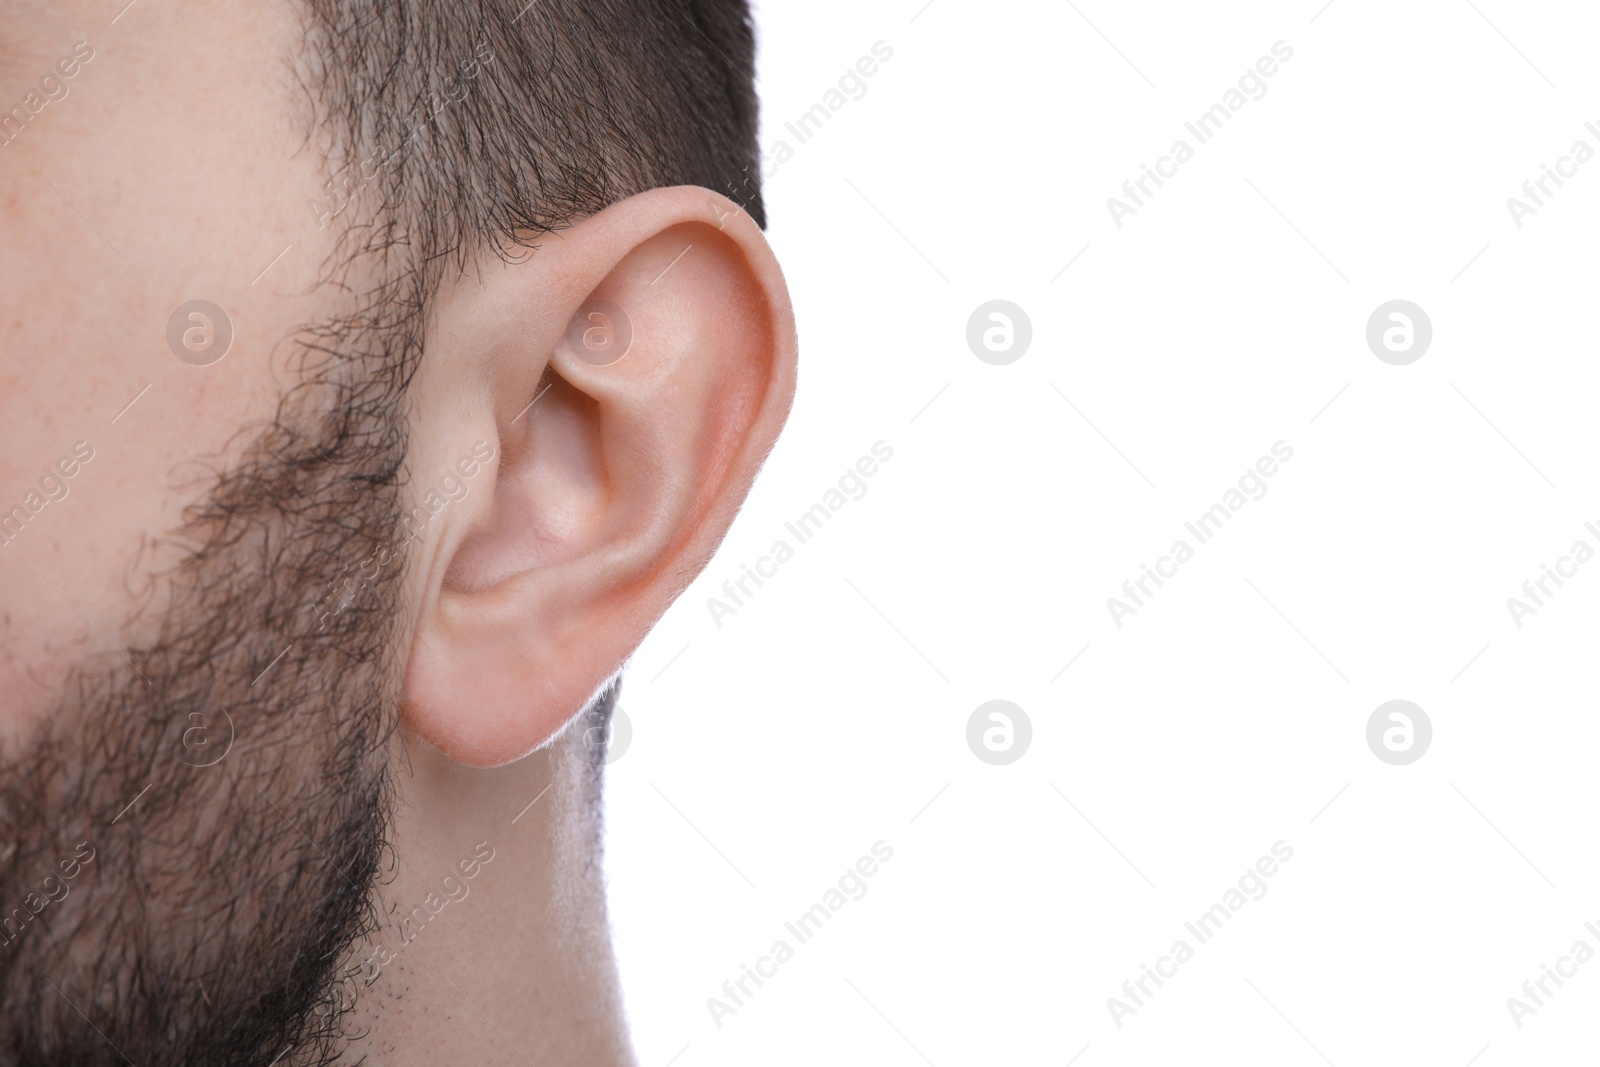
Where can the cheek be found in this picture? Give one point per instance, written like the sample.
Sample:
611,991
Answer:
91,270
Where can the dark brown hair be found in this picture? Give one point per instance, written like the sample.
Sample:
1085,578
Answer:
223,894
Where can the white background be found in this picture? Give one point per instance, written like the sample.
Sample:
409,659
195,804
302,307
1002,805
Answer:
830,712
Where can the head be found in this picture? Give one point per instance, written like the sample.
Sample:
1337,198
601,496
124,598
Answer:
373,376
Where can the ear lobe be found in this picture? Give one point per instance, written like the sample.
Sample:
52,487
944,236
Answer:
655,346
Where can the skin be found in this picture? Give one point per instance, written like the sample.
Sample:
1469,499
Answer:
154,182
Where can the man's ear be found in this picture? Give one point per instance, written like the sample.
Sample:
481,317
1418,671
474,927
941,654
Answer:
585,424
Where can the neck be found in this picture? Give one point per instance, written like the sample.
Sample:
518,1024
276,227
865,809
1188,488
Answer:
495,946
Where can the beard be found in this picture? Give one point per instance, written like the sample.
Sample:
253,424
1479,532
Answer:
189,843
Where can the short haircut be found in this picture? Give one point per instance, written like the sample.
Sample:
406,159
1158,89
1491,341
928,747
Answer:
486,124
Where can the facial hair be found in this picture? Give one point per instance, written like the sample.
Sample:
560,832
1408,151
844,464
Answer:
219,789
